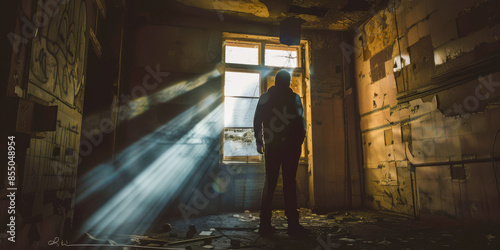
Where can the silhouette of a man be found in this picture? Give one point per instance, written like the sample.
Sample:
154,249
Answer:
279,129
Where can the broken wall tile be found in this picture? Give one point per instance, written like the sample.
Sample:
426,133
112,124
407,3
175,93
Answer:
378,63
409,15
413,35
389,65
466,44
399,152
423,29
442,28
389,153
389,86
420,11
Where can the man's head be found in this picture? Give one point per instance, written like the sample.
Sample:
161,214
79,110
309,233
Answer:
282,79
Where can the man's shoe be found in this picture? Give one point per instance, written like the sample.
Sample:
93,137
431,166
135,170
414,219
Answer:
266,230
297,231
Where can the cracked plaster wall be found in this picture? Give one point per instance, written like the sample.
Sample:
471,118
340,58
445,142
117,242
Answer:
439,37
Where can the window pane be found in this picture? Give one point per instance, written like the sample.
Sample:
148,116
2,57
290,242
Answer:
239,112
241,84
239,142
244,54
281,58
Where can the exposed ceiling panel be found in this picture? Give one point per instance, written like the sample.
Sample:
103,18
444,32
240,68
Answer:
314,11
317,14
254,7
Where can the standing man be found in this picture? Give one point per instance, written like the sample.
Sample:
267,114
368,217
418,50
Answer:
279,129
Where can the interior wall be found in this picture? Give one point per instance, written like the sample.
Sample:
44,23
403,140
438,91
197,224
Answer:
328,177
188,48
47,69
442,109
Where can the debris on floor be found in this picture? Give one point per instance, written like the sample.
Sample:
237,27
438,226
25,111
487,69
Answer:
339,230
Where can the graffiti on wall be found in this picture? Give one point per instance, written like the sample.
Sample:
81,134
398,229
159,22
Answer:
58,53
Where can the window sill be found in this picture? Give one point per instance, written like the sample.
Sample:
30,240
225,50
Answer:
256,163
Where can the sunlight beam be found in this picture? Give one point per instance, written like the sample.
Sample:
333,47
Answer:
143,199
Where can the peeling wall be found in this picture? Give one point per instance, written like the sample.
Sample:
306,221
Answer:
441,108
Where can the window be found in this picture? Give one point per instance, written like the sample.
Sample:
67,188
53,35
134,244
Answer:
250,71
241,94
242,53
279,56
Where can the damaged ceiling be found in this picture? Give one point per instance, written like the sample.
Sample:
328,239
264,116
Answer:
317,14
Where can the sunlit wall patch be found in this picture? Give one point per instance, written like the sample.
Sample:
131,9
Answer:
401,61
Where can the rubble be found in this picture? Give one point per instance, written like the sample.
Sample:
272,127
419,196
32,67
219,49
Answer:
337,230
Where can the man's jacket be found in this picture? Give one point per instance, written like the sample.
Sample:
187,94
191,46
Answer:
279,118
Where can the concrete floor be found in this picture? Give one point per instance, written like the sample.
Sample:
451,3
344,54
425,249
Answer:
338,230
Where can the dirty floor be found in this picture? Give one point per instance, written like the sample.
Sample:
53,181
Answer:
338,230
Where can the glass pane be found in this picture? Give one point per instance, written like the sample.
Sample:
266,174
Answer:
239,112
239,142
241,84
281,58
242,54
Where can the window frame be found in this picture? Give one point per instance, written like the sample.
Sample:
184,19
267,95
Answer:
285,48
249,44
263,70
248,159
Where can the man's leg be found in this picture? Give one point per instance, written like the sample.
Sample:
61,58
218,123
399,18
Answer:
290,165
273,163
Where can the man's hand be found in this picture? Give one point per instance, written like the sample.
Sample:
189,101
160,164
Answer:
260,148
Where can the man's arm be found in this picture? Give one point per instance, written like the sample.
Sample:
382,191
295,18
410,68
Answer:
300,111
257,125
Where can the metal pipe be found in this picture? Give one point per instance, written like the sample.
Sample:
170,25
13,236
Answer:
447,163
